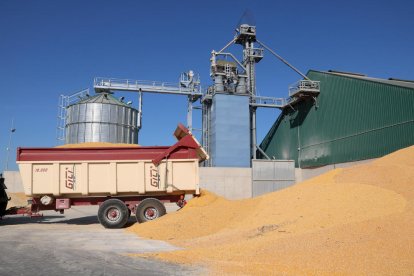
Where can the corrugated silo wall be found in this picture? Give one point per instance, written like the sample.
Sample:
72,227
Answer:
353,120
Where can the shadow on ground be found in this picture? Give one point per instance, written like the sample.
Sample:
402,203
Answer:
55,219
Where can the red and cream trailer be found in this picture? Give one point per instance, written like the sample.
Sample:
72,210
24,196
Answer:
121,180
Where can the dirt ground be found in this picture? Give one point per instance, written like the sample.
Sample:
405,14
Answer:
354,221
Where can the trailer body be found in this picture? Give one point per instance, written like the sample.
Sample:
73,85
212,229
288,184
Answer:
57,178
68,173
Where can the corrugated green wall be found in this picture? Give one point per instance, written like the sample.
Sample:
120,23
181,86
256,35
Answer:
353,119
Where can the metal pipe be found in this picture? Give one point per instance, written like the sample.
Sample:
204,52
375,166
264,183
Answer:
254,133
262,152
190,115
249,83
235,59
227,45
283,60
139,119
250,70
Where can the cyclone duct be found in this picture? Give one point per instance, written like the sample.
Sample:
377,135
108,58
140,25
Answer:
101,118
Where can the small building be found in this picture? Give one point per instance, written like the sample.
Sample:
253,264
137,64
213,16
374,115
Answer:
354,118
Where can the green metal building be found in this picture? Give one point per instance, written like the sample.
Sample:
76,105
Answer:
354,117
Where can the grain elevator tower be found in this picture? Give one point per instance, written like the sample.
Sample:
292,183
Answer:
229,119
229,105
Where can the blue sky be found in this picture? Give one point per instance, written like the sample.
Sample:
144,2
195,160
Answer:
52,47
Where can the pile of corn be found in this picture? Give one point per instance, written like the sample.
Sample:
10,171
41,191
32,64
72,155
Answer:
96,145
354,221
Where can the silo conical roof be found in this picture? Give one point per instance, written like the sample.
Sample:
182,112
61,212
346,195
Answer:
103,98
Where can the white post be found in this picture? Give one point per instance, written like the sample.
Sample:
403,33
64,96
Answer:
12,129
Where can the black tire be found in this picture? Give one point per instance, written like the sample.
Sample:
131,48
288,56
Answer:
149,209
3,202
113,213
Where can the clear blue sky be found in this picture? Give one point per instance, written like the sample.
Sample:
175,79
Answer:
53,47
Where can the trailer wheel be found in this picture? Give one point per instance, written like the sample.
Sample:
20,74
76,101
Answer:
113,213
149,209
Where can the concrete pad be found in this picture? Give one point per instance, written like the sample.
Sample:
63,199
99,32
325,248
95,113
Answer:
76,244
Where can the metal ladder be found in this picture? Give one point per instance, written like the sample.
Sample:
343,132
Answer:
205,140
64,102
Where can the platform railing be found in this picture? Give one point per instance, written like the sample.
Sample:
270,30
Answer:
260,101
304,86
254,52
144,85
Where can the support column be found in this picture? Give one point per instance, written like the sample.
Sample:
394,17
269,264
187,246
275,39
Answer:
250,66
253,131
190,114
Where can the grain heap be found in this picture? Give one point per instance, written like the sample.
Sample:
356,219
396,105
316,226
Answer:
96,144
354,221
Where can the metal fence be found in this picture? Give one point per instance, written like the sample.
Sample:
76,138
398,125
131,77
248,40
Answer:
272,175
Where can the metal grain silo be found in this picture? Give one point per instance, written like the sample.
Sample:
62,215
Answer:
101,118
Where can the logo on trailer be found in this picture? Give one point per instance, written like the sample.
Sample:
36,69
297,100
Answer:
70,179
154,177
